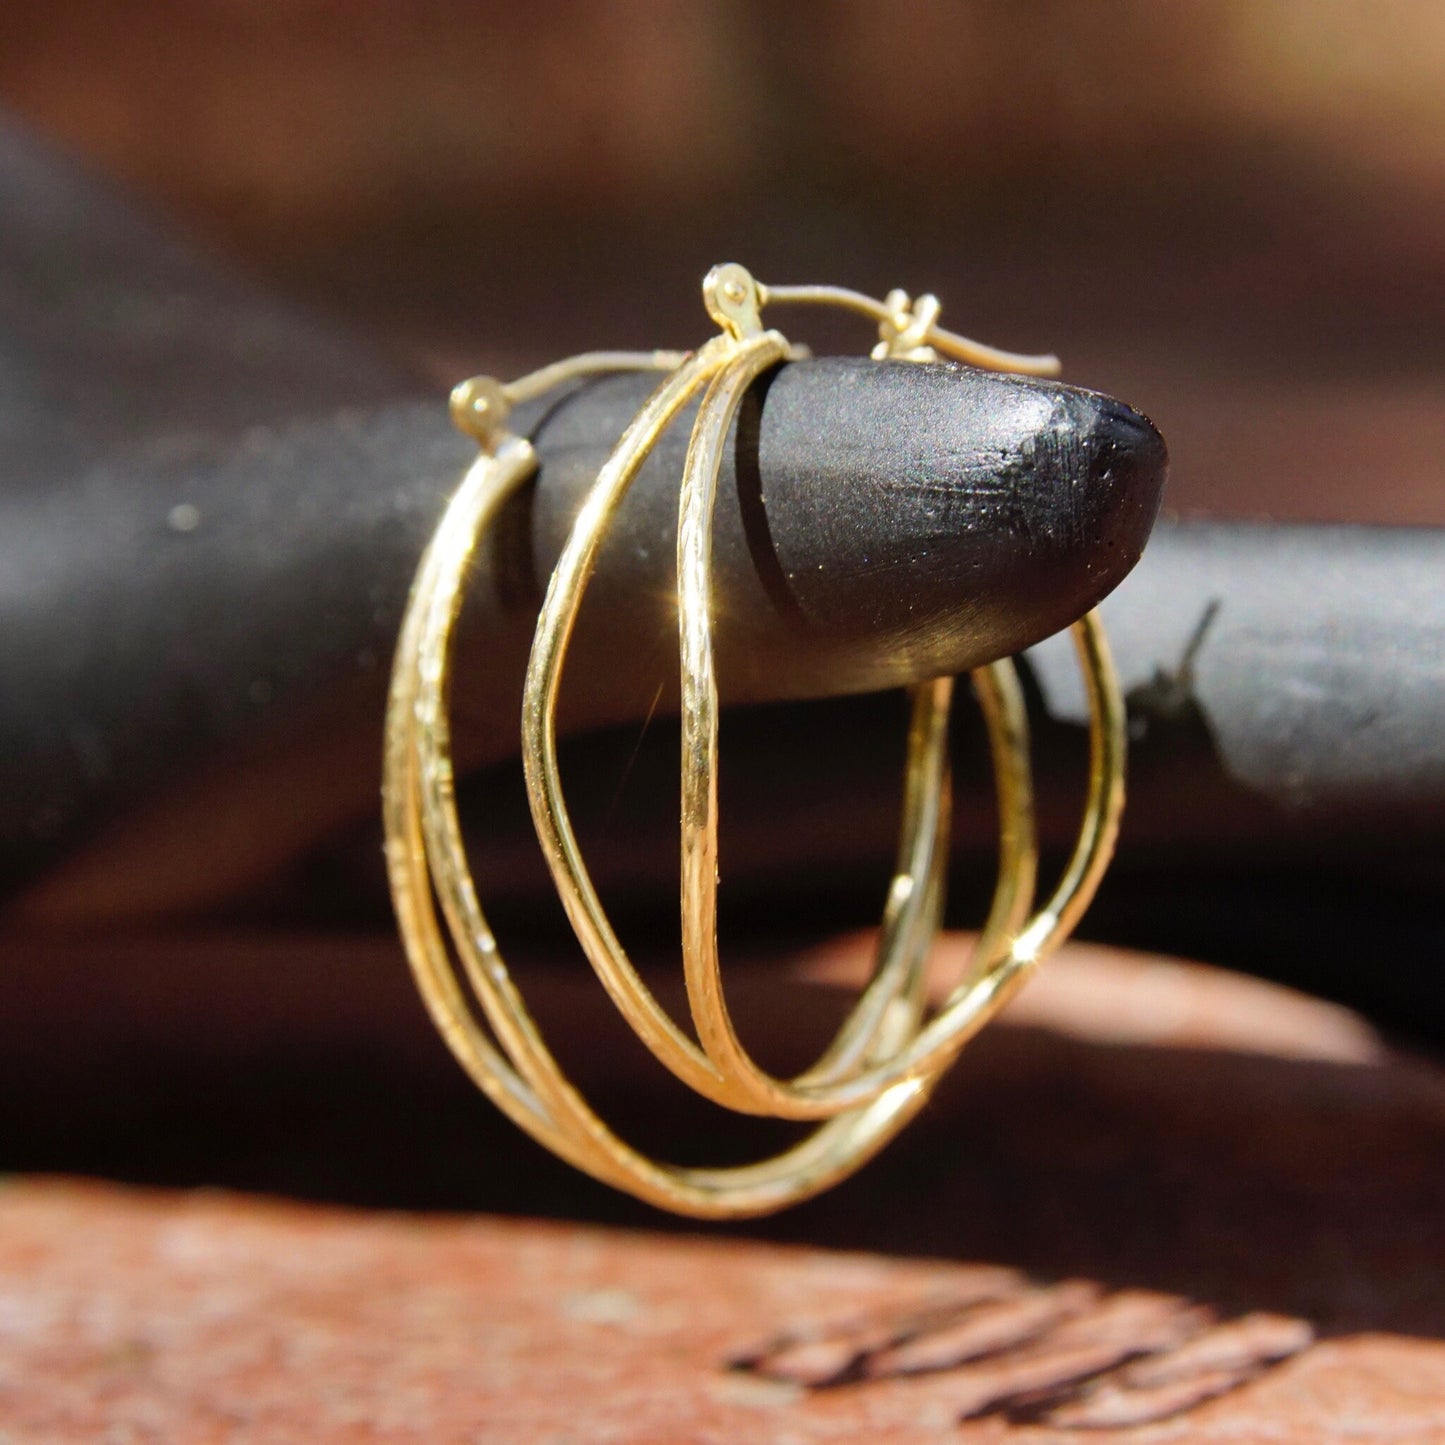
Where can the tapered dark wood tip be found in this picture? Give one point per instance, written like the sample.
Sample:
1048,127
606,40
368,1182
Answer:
876,522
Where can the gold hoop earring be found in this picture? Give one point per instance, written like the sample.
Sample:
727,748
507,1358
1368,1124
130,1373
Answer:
883,1062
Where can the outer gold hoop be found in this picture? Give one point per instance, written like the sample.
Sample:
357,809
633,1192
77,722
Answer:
517,1071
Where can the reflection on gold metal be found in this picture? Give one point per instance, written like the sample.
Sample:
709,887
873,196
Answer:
879,1069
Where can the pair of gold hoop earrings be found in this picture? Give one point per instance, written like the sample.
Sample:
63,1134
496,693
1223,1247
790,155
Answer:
881,1066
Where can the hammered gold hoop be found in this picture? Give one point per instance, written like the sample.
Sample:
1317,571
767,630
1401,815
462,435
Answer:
880,1066
424,853
847,1075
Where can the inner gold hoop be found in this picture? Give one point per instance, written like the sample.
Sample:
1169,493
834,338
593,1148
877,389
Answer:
880,1068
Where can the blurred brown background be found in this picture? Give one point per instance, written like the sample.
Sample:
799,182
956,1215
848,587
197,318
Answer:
1229,212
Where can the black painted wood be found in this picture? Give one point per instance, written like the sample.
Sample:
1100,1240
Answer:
210,512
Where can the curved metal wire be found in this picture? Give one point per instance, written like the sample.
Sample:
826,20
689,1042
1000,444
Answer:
884,1060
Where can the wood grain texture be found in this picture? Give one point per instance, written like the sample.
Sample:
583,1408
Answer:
1157,1202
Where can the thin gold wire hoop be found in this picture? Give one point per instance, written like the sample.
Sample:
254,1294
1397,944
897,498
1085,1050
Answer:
906,328
726,366
908,333
851,1071
423,849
